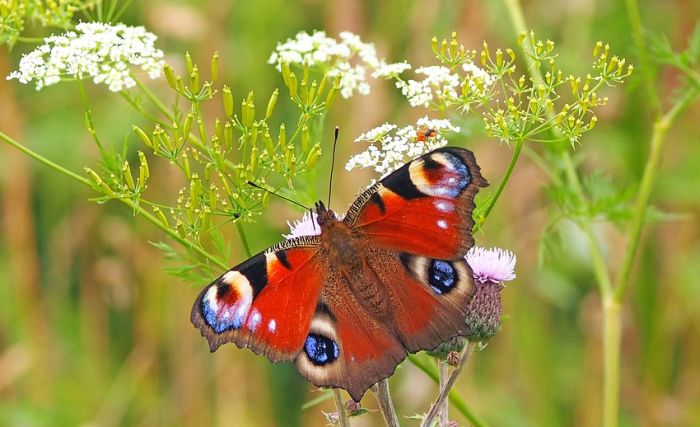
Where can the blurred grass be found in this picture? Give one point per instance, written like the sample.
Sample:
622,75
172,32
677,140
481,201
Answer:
93,332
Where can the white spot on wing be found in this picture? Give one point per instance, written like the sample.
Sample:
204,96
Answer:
444,206
442,224
272,325
254,320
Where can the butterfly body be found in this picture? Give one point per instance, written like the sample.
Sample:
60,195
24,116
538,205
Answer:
347,304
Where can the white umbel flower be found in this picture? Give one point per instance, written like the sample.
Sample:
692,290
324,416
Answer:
438,82
104,52
349,57
398,145
390,70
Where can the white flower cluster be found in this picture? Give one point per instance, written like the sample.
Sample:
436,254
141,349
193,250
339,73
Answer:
399,145
477,78
104,52
348,58
385,70
440,82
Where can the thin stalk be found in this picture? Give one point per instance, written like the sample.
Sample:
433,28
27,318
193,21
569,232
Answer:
455,399
502,185
444,372
648,179
437,405
44,160
381,392
163,109
611,349
138,209
244,239
143,112
340,406
612,336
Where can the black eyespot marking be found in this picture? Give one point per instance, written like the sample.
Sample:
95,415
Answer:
377,200
222,289
282,258
400,183
255,270
321,350
430,164
442,276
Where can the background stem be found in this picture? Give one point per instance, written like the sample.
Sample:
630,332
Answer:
381,391
340,406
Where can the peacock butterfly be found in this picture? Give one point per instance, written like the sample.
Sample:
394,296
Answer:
348,304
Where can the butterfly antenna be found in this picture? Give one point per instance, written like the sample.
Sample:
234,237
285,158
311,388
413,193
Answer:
252,184
330,183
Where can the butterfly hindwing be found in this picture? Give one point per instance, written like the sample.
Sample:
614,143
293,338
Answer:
430,298
424,207
266,303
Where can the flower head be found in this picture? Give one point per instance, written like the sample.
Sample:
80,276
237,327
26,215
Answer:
104,52
390,70
491,265
438,82
346,58
399,145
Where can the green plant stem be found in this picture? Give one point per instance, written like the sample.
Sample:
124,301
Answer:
340,406
612,336
138,209
502,185
157,102
611,320
44,160
244,239
455,399
648,178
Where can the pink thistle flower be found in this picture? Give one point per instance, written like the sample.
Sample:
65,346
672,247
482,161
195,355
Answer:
491,265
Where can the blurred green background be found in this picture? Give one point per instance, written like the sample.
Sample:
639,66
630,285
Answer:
93,332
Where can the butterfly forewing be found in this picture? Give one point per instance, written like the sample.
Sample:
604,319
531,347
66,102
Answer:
265,303
424,207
